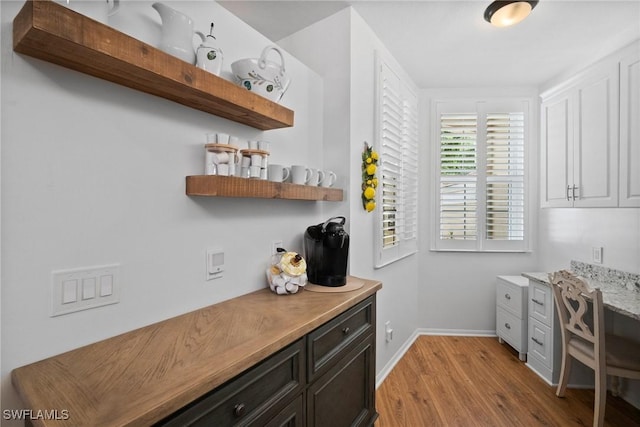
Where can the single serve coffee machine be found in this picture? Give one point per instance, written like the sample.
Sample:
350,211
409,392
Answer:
326,250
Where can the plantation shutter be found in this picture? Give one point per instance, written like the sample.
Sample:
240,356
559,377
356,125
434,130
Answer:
505,176
480,175
397,142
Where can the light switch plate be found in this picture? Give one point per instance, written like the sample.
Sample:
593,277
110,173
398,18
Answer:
596,254
84,288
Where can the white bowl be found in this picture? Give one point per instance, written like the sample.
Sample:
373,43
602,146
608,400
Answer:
263,77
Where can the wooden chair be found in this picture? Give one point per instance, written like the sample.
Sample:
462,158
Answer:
604,353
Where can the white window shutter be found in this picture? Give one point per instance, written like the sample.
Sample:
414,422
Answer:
397,143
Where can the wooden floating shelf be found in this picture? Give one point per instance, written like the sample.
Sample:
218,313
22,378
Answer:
49,31
229,186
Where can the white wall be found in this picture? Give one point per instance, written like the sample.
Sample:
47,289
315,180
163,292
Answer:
341,49
93,173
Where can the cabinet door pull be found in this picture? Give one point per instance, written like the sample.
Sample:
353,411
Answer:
573,191
537,302
346,331
508,326
568,189
507,296
537,341
239,410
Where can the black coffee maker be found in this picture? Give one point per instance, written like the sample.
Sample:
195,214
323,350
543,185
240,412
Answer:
326,250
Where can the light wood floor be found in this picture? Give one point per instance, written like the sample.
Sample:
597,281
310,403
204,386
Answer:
475,381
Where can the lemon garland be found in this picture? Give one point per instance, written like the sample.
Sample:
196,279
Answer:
369,180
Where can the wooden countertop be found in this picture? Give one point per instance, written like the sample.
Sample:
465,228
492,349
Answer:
140,377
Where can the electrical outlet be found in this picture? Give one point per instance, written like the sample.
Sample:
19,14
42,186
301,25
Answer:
388,331
596,254
275,244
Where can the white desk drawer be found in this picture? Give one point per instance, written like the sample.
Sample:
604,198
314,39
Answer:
511,294
540,303
540,342
511,329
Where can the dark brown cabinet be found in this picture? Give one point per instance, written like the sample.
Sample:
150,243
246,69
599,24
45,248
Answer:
325,379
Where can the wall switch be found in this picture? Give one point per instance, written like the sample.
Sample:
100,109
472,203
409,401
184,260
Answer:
215,264
84,288
596,254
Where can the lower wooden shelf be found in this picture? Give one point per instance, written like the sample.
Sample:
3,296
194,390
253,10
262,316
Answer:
229,186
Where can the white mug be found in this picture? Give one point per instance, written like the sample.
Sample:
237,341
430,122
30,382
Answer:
254,171
222,138
317,176
300,174
278,173
329,179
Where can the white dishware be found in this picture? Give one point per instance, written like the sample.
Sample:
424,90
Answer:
278,173
233,140
177,33
208,55
329,179
212,138
300,174
316,177
246,161
253,145
256,160
263,145
244,172
220,157
99,10
266,78
210,169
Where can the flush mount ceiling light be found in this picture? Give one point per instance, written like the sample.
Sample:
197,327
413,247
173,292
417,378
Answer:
505,13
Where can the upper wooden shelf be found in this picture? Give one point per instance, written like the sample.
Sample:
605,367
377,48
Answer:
49,31
229,186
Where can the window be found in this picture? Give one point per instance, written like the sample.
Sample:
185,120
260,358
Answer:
480,176
397,142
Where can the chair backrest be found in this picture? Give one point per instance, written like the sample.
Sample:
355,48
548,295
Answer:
572,294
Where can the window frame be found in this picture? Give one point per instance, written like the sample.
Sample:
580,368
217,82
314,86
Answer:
481,106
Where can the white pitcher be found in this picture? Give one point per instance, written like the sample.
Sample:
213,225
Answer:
99,10
177,33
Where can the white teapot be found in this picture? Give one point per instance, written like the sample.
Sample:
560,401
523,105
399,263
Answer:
208,56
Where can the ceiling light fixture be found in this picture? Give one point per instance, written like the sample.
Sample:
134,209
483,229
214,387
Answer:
505,13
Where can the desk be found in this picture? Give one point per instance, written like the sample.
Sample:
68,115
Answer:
544,336
615,297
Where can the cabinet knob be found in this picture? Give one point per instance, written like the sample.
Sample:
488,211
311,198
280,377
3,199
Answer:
346,331
508,326
239,410
507,296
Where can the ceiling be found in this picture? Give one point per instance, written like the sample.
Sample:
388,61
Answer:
447,43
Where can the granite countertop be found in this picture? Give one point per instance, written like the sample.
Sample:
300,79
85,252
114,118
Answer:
620,290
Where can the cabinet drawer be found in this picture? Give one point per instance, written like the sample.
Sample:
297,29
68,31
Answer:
540,342
511,329
253,398
327,343
511,294
540,302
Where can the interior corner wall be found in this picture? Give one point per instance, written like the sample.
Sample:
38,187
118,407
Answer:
341,48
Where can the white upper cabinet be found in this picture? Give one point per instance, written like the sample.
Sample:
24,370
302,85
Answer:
630,129
579,136
590,135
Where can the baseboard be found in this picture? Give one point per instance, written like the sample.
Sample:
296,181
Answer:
380,377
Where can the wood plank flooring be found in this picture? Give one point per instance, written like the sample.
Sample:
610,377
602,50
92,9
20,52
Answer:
476,381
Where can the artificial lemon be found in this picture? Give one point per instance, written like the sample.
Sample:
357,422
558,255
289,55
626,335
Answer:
369,193
371,205
371,169
374,155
